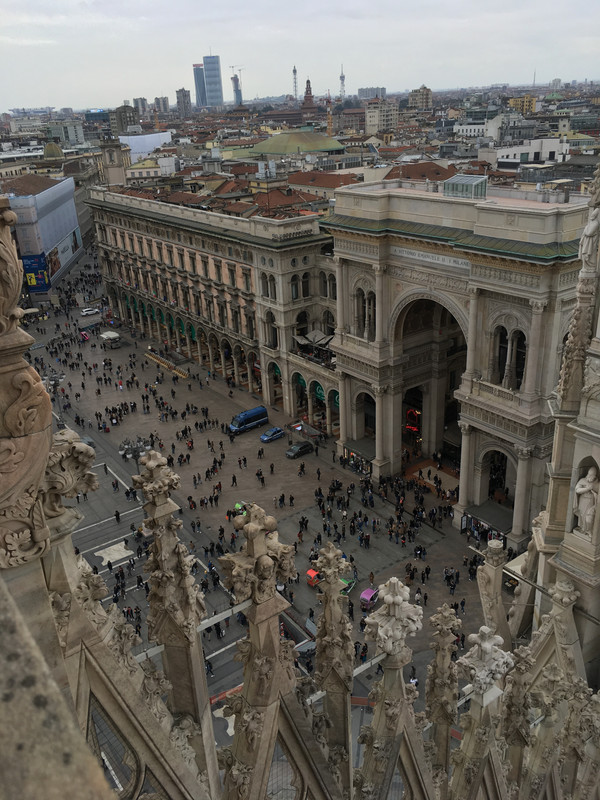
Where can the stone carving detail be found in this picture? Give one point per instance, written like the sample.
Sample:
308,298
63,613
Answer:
337,755
486,662
262,560
517,702
67,472
90,590
122,639
182,731
25,419
585,501
441,689
175,599
320,724
252,724
395,620
305,688
238,774
563,593
61,608
154,687
334,631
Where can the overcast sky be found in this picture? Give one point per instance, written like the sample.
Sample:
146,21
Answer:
96,53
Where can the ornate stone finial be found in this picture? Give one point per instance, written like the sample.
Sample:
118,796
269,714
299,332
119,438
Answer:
176,603
262,560
486,662
334,631
390,624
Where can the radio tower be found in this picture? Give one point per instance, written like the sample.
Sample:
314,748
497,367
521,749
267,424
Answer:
342,85
295,74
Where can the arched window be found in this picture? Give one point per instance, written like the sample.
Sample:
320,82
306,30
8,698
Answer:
264,285
271,331
328,323
306,285
295,285
302,323
272,288
370,316
520,351
360,312
322,284
332,287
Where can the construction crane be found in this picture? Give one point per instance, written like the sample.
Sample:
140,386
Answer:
239,68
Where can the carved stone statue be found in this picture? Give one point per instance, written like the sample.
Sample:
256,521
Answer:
586,500
588,244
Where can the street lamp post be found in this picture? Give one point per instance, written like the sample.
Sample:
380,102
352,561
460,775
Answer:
134,448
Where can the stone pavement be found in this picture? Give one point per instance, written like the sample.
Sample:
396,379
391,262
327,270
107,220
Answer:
445,547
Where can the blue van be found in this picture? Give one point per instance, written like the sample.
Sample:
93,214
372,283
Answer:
246,420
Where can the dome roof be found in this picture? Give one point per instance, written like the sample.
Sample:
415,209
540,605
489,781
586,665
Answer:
293,142
53,150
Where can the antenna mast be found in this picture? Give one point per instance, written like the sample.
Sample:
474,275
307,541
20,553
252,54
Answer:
342,85
295,74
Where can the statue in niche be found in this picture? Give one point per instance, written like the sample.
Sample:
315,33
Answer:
585,501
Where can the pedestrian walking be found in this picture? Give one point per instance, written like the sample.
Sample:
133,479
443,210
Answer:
117,517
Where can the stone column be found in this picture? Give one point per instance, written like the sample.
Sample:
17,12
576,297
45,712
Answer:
199,346
380,316
309,406
464,492
223,362
520,523
343,411
121,309
328,416
177,337
250,365
534,347
509,368
140,318
168,330
472,334
341,306
379,423
188,342
354,305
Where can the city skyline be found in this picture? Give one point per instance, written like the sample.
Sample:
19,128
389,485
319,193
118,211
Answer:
84,55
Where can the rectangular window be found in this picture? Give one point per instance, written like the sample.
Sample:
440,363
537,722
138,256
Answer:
170,256
232,276
205,267
246,281
181,259
192,259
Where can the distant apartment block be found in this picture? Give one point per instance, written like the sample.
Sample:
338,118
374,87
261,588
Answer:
161,104
371,92
380,115
420,99
122,118
140,104
184,104
67,132
524,105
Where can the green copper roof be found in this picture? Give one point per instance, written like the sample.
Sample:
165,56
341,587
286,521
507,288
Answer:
456,237
297,142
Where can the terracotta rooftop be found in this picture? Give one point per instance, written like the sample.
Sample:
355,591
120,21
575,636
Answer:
324,180
26,185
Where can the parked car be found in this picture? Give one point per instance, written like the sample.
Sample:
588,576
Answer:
368,599
299,449
313,578
272,434
88,312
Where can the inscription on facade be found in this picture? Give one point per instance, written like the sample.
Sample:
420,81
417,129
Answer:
432,258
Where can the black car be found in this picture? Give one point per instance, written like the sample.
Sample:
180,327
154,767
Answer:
299,449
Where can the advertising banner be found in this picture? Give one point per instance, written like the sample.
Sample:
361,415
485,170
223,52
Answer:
64,252
36,273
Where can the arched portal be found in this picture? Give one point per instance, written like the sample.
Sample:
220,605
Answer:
273,392
430,343
299,396
317,415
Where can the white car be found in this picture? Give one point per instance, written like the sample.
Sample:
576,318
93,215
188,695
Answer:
87,312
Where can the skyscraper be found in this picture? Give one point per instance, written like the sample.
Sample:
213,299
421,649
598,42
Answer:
212,81
237,90
200,85
184,103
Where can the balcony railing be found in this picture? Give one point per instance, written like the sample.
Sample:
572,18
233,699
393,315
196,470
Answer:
484,389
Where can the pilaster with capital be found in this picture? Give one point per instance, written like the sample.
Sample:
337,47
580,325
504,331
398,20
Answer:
474,294
380,391
520,523
380,305
465,488
534,347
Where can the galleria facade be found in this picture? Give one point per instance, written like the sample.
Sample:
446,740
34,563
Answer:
405,320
